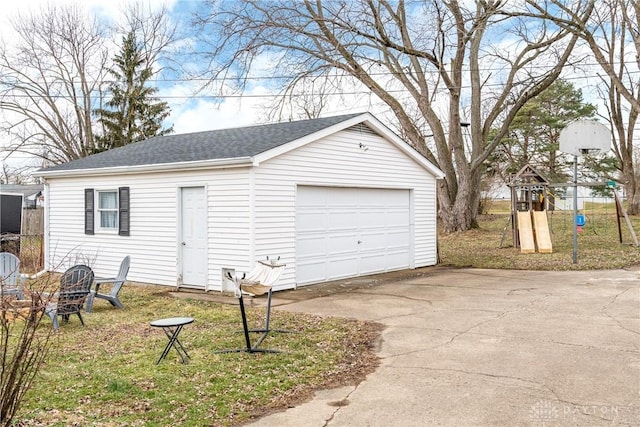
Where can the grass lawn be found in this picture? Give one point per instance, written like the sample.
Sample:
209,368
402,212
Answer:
105,373
598,244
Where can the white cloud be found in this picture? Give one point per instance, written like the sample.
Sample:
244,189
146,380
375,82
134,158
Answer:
206,115
105,8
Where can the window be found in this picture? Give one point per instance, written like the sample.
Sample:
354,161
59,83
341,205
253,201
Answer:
106,210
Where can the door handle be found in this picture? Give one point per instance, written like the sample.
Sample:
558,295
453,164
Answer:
184,244
359,241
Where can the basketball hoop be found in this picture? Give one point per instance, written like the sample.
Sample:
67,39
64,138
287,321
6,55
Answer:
579,138
583,136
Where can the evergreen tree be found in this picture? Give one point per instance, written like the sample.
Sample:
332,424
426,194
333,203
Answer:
132,113
535,131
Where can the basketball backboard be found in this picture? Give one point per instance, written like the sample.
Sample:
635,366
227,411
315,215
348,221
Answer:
582,136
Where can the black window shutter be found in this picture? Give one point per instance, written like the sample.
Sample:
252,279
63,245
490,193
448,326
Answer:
88,211
123,213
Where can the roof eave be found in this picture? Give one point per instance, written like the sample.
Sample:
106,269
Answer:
403,146
297,143
159,167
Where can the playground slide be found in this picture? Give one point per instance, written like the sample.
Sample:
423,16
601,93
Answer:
541,226
525,231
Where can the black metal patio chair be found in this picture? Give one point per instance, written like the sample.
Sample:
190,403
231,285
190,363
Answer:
75,285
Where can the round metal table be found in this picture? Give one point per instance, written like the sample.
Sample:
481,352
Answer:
172,327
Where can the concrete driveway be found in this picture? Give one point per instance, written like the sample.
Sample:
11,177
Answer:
470,347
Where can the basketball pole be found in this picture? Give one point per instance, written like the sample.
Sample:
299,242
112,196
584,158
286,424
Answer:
578,138
575,209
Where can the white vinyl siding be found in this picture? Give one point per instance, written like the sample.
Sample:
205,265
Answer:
154,227
229,223
251,211
338,161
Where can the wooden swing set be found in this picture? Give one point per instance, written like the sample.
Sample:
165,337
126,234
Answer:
529,199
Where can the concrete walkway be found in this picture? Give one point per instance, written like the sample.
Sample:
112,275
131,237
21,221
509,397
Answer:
470,347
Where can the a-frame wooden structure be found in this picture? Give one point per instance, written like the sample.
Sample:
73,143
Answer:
528,196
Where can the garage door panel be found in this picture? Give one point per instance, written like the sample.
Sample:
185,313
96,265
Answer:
339,268
374,218
312,246
396,260
314,271
378,203
383,197
398,239
398,218
371,198
311,196
340,197
373,241
397,198
347,232
312,221
373,263
342,244
342,219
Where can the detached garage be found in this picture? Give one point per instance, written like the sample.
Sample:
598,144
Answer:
333,197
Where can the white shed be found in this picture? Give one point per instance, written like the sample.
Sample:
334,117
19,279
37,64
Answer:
333,197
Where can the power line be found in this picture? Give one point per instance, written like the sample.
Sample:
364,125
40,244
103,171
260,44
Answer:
319,92
336,75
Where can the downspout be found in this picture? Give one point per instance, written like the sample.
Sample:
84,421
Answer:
252,218
46,233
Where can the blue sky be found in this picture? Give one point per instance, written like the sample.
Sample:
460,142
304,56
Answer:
204,111
189,113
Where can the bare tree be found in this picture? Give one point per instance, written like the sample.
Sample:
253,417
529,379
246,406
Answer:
24,345
623,121
428,61
611,34
153,29
14,174
306,98
617,25
50,77
54,76
613,51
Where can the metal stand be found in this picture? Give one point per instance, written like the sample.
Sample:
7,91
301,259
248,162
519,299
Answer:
249,348
172,328
267,321
173,340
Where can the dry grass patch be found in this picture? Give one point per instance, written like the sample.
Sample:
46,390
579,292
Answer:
105,373
598,245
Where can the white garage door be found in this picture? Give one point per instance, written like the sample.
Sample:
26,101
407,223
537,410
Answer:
346,232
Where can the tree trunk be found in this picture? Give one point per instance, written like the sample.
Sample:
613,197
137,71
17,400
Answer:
633,197
460,214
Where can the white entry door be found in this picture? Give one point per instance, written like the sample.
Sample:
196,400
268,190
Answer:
193,236
346,232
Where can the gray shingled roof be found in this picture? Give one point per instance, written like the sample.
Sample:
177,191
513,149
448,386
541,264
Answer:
25,190
210,145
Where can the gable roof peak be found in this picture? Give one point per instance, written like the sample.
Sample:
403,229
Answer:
220,144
